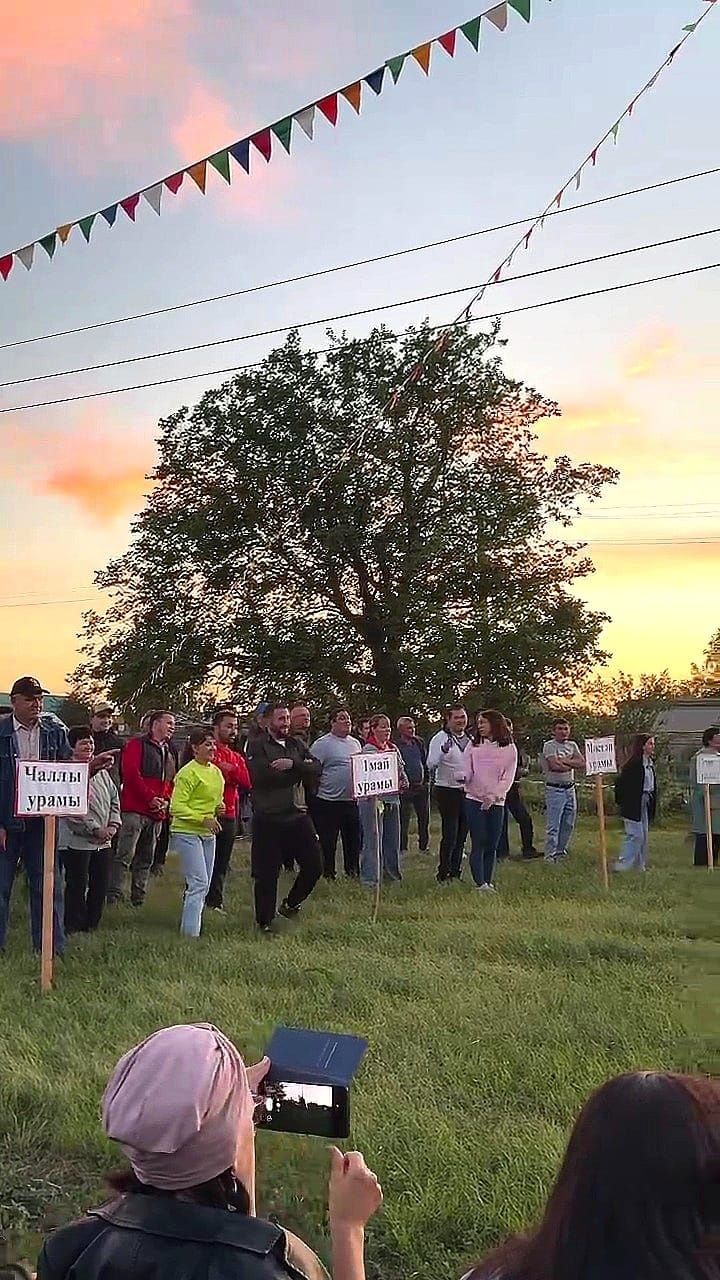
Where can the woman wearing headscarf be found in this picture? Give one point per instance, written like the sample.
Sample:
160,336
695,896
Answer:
181,1106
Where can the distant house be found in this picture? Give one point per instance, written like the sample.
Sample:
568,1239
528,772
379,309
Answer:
51,702
683,722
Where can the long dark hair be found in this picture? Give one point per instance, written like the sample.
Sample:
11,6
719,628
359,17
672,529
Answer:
499,728
638,1193
638,746
222,1192
195,738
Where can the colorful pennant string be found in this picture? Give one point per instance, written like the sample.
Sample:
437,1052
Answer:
281,131
465,316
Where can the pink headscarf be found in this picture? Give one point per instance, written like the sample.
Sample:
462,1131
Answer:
176,1104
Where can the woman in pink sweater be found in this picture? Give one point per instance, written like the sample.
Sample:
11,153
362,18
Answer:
490,772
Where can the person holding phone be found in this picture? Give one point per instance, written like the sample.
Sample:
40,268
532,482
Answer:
196,807
447,762
182,1105
490,772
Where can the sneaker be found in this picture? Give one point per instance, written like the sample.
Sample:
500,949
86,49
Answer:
491,888
287,911
220,911
485,888
550,859
263,928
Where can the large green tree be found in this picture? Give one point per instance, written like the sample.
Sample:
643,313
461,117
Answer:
300,540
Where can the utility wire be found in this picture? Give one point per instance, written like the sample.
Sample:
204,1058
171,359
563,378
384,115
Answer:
493,315
350,266
363,311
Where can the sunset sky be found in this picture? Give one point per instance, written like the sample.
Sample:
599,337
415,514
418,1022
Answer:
97,101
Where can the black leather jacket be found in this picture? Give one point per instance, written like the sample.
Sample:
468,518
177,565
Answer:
139,1237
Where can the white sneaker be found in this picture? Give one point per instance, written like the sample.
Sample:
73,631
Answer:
491,888
485,888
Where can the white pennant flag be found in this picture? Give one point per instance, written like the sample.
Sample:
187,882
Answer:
306,120
153,195
498,16
26,255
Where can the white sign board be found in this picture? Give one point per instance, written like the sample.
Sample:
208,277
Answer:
600,756
58,788
708,770
375,774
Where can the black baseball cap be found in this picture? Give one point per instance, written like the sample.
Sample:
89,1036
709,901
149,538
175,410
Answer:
28,687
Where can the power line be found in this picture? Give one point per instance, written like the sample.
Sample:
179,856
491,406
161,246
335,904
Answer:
713,512
362,311
350,266
493,315
36,604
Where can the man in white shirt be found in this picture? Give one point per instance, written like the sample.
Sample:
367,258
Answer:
446,762
560,758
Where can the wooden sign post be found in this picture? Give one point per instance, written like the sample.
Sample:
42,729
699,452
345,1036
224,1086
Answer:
600,759
50,789
708,775
374,775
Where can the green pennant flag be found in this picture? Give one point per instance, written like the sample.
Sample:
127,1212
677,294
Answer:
282,131
471,31
690,26
221,162
395,66
522,7
48,243
615,131
85,225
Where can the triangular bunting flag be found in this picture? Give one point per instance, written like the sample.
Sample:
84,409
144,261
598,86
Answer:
85,225
174,183
221,163
691,26
422,56
49,243
593,156
26,255
64,231
558,199
615,130
263,142
198,173
448,42
672,53
395,66
353,94
109,214
498,273
240,151
306,120
6,264
129,205
527,238
329,108
282,131
498,16
471,29
153,195
578,179
375,79
522,7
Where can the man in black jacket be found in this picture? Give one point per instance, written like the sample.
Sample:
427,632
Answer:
281,828
417,797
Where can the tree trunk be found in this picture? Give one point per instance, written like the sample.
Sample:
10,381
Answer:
388,682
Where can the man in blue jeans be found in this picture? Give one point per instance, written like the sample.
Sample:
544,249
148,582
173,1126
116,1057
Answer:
27,734
560,758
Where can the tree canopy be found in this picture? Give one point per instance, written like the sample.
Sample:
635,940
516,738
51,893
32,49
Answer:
299,540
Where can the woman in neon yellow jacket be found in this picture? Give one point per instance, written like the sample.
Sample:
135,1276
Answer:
195,806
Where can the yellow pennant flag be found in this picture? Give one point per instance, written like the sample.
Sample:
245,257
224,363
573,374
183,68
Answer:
422,56
353,94
198,173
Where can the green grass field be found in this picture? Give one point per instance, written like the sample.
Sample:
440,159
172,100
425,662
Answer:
489,1021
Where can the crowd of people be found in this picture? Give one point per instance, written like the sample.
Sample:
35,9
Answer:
294,793
636,1196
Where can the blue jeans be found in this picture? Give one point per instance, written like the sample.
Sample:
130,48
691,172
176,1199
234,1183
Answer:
633,855
26,846
485,831
197,857
380,852
561,807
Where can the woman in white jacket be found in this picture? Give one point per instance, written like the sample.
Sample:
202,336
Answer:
85,847
447,763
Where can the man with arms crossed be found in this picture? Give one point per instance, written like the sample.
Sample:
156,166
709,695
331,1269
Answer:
560,758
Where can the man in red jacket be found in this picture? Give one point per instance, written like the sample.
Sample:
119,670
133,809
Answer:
237,784
149,765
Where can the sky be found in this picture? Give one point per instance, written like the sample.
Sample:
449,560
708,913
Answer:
97,101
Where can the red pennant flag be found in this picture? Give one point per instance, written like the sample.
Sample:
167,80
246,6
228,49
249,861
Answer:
329,108
527,238
593,157
6,265
448,42
174,183
198,173
353,94
498,273
630,108
263,142
130,204
558,199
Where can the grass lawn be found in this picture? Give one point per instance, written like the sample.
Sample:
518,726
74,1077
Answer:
489,1021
